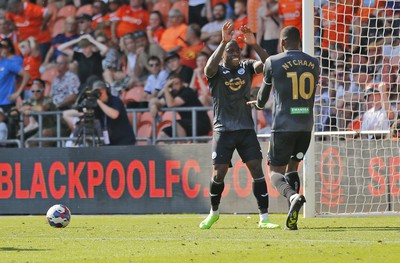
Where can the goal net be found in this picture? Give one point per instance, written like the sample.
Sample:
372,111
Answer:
356,150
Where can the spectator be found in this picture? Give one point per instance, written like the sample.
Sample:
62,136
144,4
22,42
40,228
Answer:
268,26
154,84
128,19
70,33
290,12
39,102
177,95
174,66
239,21
31,20
8,94
100,11
174,37
194,46
379,113
199,81
211,32
156,27
8,50
88,61
144,50
197,12
6,31
105,21
3,126
32,61
84,24
65,86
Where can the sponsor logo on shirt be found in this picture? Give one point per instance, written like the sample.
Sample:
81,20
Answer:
235,84
300,110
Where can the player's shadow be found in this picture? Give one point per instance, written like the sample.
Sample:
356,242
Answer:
21,249
355,228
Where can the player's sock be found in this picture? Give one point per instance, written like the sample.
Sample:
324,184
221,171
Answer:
266,223
260,192
293,180
279,182
216,189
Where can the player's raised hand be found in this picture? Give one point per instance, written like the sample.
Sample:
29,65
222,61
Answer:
227,32
249,37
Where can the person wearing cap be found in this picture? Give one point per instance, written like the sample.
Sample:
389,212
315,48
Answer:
174,37
84,24
379,113
87,60
144,50
129,18
31,20
174,65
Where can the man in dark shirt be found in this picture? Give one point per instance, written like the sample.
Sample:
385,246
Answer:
294,76
113,117
176,95
230,85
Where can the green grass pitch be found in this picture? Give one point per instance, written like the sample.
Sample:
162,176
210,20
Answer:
177,238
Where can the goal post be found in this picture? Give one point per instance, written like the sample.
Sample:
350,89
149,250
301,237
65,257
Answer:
352,166
309,160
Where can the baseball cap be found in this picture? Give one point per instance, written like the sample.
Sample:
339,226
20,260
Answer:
171,55
138,33
84,17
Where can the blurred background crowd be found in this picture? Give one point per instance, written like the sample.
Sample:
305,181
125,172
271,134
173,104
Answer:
52,52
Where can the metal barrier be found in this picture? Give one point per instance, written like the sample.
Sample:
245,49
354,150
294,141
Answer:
61,141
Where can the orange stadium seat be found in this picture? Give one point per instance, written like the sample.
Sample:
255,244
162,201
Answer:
66,11
53,9
163,7
48,77
58,27
168,116
85,9
134,94
144,131
182,6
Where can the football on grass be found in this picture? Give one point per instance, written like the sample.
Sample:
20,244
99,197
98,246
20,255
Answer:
58,216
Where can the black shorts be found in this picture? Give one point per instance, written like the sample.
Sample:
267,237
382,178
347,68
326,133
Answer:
244,141
287,145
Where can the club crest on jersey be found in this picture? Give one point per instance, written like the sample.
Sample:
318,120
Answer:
235,84
240,71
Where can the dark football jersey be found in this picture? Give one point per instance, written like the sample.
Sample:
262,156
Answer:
294,75
230,90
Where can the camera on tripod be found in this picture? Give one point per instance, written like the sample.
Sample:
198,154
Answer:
88,125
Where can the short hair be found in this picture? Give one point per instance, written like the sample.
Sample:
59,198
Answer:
291,34
175,76
220,4
40,82
154,58
9,44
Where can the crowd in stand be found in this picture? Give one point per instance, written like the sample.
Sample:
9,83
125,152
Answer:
53,51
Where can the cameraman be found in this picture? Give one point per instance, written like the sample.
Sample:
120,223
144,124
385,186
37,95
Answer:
111,114
113,117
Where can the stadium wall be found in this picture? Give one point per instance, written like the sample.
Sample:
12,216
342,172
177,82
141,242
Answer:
175,179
